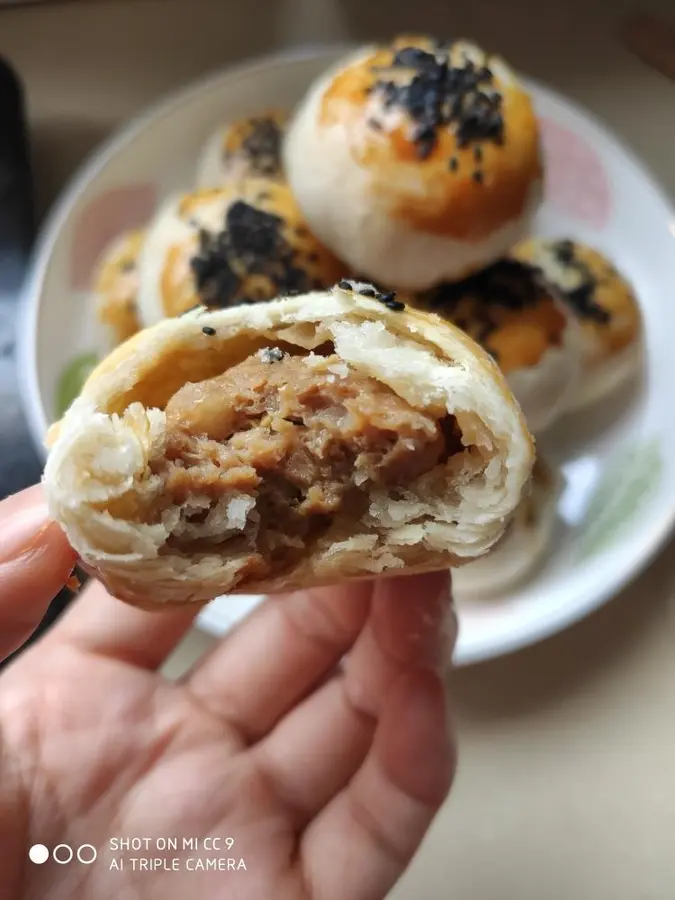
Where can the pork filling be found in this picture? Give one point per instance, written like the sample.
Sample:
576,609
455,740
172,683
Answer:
298,442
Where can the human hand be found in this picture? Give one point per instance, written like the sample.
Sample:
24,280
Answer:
326,778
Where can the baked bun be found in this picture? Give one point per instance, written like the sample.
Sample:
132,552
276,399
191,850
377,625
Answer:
247,147
281,445
528,333
603,304
237,244
524,544
416,162
116,287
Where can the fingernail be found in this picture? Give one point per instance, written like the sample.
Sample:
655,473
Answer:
24,532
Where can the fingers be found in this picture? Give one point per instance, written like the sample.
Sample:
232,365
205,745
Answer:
35,563
314,751
261,671
371,830
98,623
412,624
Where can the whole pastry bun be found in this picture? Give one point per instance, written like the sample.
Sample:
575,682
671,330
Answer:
529,333
249,146
115,287
416,162
604,307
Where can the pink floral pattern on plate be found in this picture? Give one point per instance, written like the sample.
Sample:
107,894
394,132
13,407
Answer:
576,180
105,218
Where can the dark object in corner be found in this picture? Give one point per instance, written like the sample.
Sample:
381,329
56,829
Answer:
20,464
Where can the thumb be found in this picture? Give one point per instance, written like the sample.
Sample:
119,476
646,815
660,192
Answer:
35,562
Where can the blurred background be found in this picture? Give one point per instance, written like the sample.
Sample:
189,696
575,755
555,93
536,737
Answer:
566,787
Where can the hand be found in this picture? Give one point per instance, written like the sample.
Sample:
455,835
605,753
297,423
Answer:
326,776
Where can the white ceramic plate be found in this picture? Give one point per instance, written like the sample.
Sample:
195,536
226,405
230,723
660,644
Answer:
619,503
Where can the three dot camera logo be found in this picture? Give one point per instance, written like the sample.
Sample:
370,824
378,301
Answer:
63,854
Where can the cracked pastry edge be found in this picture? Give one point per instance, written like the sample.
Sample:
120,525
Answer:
100,449
524,544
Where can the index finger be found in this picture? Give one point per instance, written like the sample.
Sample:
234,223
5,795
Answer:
277,656
35,563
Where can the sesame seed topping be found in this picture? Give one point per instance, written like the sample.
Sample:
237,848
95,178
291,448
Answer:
438,95
252,242
262,145
582,297
208,330
478,177
387,298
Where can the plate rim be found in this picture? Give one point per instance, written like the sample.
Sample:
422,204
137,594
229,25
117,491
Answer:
654,538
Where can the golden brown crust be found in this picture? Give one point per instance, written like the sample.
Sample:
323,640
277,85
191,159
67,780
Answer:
116,286
607,290
466,200
505,310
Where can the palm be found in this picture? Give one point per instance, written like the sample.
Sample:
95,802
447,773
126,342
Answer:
149,762
269,749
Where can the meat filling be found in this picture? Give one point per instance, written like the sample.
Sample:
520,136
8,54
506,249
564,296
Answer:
303,438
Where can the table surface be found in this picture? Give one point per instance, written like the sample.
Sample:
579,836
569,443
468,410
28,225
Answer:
566,785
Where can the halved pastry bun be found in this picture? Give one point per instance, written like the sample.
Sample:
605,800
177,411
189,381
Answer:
523,545
194,464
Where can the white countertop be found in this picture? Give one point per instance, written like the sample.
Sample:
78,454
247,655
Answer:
566,787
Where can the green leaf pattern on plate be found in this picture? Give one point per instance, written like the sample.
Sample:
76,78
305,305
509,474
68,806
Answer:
72,380
626,484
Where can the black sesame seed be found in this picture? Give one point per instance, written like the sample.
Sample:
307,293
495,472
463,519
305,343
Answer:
294,420
453,164
478,153
394,305
208,330
345,285
367,292
478,177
